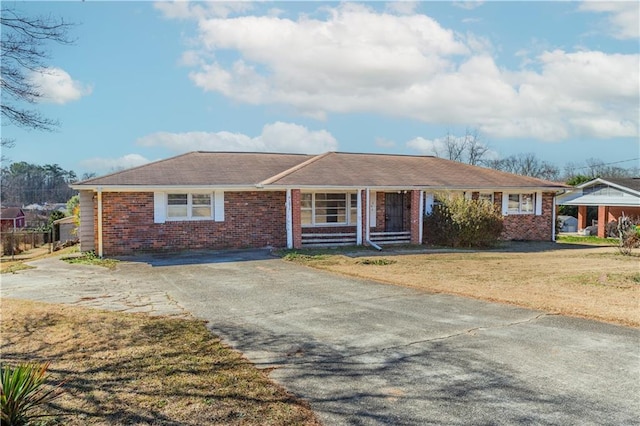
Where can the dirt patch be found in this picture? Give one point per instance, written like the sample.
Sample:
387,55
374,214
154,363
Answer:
588,282
125,369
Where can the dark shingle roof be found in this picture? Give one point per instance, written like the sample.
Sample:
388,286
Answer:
348,169
11,213
331,169
631,183
204,168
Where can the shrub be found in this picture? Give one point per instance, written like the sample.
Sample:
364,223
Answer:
458,222
22,391
628,235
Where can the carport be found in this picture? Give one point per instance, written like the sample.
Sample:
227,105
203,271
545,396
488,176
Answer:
612,196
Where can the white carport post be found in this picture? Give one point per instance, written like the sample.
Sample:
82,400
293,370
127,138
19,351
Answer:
367,223
289,220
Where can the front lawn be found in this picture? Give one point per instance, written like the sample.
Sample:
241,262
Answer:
576,280
133,369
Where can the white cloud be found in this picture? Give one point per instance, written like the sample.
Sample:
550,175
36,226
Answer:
623,21
468,5
101,165
361,60
275,137
183,9
56,86
402,7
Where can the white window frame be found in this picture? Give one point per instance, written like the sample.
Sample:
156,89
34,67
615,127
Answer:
190,207
351,209
521,203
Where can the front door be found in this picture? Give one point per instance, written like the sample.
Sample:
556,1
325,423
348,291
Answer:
394,212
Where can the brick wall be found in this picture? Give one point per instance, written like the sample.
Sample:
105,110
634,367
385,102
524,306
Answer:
252,220
528,226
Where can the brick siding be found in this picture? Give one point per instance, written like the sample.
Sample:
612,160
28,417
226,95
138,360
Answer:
528,227
252,220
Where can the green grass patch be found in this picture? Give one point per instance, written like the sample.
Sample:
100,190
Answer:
588,239
12,269
295,256
90,258
379,261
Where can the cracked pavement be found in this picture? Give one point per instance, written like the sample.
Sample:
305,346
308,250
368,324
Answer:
364,353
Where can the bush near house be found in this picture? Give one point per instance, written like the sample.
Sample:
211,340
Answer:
459,222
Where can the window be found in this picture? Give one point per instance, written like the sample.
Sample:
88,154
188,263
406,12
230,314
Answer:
328,209
189,206
486,196
520,203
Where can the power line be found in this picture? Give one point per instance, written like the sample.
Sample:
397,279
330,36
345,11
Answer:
606,164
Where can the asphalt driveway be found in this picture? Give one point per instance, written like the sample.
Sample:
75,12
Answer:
367,353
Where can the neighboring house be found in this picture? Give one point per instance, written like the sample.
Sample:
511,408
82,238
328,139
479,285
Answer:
219,200
12,218
66,229
612,197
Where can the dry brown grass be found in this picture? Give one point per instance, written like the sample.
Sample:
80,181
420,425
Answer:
588,282
138,370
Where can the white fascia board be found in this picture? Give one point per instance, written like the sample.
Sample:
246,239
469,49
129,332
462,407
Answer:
601,201
165,188
320,188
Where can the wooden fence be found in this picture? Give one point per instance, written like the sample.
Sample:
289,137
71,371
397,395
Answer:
13,243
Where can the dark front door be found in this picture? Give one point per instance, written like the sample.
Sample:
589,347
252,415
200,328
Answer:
394,212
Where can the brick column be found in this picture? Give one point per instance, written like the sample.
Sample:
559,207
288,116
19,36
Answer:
296,218
416,217
603,214
582,217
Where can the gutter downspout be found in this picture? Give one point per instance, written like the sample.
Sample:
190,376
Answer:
100,251
368,223
553,219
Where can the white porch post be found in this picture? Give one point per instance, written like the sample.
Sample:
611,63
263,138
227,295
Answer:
289,220
359,219
367,230
421,215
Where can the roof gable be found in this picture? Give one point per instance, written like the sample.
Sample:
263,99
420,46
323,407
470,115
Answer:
384,170
11,213
632,183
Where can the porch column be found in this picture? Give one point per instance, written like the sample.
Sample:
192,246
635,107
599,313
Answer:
289,220
359,217
416,218
603,214
582,217
296,218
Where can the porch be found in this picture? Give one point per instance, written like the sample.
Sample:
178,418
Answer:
358,217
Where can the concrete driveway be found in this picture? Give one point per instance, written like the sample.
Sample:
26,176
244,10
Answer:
366,353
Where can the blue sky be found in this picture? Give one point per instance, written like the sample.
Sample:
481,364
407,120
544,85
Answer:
147,80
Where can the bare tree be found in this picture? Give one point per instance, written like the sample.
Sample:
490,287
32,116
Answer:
526,165
22,53
476,149
466,149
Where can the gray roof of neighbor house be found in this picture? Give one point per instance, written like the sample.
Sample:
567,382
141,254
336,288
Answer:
332,169
631,183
